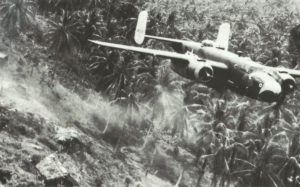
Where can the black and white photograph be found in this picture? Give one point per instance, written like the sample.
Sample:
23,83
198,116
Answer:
149,93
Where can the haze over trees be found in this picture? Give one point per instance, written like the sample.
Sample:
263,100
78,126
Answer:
233,140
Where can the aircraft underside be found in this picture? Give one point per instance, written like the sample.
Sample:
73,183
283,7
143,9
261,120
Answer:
236,80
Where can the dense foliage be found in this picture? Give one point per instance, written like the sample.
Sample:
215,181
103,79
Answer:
240,141
17,14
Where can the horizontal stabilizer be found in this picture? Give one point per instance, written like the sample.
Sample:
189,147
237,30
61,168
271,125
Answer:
190,44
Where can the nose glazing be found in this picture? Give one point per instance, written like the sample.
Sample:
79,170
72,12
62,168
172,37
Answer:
270,91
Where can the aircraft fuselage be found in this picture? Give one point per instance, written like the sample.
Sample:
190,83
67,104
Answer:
244,76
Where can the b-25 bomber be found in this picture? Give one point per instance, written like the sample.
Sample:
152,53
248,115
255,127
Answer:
216,67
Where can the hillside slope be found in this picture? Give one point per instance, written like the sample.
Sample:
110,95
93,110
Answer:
50,135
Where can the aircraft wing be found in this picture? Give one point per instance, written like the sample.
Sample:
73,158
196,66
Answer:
167,54
155,52
293,72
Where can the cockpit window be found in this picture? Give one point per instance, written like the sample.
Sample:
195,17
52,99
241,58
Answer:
257,79
201,60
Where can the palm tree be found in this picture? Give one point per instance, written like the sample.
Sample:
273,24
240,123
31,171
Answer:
69,5
294,45
44,6
90,26
290,170
95,4
63,35
98,64
274,165
125,10
115,82
261,173
17,14
146,72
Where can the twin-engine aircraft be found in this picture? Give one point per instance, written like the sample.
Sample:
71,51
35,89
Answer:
216,67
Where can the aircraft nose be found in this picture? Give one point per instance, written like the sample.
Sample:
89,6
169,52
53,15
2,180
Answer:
270,91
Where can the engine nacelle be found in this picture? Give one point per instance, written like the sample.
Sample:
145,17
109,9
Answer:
202,72
195,68
288,83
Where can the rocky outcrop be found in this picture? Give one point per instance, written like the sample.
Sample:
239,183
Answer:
54,173
70,139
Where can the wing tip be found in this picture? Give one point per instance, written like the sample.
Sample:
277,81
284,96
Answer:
93,41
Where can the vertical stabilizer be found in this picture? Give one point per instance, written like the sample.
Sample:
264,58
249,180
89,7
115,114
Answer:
140,29
223,36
